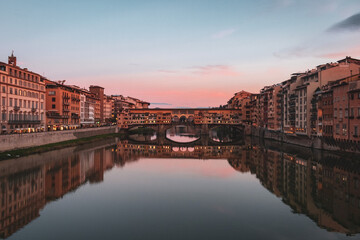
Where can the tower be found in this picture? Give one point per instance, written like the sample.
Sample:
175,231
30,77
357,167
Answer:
12,59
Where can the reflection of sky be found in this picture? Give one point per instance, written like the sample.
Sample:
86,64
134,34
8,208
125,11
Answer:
183,134
176,53
172,199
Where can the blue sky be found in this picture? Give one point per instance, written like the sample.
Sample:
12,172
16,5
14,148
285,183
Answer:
185,53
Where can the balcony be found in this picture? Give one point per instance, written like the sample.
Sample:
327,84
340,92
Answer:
33,109
66,104
75,116
16,108
55,115
24,121
66,97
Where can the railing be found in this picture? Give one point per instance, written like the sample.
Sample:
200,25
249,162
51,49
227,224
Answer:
24,121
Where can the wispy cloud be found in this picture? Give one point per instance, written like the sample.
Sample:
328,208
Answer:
323,44
224,33
222,70
161,103
350,24
166,71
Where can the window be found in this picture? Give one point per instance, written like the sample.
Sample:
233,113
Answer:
10,102
51,93
337,130
53,99
356,130
3,89
11,91
4,101
344,130
351,112
53,106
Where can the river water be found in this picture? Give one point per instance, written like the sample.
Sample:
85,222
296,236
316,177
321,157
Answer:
131,189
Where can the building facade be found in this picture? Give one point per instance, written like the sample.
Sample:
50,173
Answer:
62,106
22,99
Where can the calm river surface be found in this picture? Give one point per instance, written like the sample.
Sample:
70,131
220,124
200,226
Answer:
126,189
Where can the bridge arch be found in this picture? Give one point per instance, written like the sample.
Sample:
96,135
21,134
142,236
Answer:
183,119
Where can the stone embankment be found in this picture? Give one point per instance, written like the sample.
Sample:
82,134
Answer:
328,144
17,141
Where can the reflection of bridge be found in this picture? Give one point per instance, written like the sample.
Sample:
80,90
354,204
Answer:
204,140
169,117
130,150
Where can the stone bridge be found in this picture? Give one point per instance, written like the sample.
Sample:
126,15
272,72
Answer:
163,119
170,117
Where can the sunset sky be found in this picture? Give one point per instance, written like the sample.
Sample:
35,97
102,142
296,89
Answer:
185,53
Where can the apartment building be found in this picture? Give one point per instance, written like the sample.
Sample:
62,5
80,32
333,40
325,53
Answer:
62,106
22,99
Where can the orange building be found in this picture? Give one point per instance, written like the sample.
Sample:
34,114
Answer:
62,106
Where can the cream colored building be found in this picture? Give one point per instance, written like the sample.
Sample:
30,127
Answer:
22,99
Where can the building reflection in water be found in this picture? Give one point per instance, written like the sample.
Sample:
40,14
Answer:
29,183
326,188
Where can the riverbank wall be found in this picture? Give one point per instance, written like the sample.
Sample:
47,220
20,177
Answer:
321,143
27,140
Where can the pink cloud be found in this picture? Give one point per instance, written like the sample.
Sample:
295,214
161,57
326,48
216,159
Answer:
219,70
353,51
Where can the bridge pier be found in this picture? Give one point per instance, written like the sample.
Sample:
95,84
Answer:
161,134
205,129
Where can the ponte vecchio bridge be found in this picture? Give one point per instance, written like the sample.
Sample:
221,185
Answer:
163,119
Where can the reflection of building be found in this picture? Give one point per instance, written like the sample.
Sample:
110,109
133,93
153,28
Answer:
327,192
22,196
25,189
128,151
